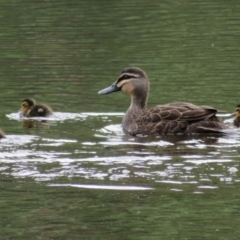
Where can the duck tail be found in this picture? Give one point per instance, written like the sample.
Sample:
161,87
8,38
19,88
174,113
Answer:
201,129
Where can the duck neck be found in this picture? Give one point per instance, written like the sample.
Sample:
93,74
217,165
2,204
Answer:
137,108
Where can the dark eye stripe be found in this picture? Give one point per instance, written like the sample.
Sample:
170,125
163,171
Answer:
125,76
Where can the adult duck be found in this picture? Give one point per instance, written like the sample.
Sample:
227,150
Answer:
172,118
29,108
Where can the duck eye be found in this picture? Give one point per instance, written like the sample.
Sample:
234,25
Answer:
125,77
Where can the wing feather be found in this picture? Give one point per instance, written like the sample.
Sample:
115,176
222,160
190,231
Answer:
178,112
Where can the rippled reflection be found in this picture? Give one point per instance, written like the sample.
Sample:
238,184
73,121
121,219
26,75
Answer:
195,163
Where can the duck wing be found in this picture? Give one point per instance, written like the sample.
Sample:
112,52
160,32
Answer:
178,118
181,112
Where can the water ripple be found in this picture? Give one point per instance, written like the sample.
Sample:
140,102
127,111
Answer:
62,116
178,163
106,187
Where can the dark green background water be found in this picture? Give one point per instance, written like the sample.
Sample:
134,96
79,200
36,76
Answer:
55,180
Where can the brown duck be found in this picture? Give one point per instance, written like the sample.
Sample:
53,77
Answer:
173,118
236,114
29,108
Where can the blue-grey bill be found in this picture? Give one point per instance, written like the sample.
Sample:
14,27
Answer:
112,88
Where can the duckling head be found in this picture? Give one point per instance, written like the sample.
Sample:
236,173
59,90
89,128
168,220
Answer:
26,106
236,115
133,81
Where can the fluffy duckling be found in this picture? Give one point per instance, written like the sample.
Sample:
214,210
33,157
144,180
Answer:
29,108
236,114
2,135
174,118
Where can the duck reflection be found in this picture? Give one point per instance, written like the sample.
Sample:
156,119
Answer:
32,123
166,145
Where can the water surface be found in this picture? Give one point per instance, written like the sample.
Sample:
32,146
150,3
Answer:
78,175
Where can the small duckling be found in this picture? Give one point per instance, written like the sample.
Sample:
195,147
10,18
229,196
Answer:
2,135
29,108
236,114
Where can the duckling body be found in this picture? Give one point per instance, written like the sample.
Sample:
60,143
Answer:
30,109
2,135
175,118
236,120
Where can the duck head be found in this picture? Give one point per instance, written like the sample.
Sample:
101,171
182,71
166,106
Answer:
236,116
26,106
133,81
236,113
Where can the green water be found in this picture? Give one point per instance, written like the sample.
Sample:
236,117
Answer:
81,177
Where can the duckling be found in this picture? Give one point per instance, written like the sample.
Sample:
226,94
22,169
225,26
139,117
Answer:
172,118
29,108
2,135
236,114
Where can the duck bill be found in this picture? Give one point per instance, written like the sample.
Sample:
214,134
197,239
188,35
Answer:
112,88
